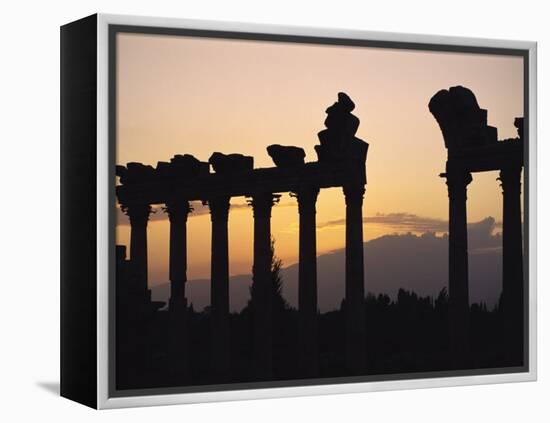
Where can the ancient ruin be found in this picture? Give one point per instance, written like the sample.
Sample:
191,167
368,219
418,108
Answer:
341,163
473,146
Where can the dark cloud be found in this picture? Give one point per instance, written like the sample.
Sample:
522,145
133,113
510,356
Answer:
408,222
482,237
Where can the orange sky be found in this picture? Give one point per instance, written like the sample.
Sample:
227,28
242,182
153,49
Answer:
181,95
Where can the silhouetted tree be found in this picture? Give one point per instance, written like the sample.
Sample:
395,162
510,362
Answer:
279,302
442,301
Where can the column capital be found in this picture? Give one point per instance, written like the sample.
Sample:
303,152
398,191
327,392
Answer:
262,203
307,197
138,213
353,194
219,207
457,182
177,209
510,178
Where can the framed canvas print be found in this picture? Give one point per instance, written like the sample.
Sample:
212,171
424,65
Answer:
254,211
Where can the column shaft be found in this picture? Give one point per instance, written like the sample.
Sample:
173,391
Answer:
219,289
512,261
262,288
459,303
139,216
355,290
178,213
307,283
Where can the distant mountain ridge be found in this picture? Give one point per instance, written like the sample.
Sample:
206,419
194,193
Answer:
417,263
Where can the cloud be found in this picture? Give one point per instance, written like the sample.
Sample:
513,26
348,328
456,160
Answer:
408,222
480,235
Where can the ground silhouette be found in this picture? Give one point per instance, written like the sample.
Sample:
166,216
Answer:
407,334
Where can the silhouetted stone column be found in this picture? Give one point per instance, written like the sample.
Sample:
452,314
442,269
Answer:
219,289
459,302
139,216
307,283
512,260
355,289
177,213
262,295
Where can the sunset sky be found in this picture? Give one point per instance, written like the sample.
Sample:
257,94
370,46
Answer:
191,95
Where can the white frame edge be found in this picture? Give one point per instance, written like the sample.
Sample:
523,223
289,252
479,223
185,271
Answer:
103,400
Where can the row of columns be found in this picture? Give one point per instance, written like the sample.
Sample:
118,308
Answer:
512,262
262,292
